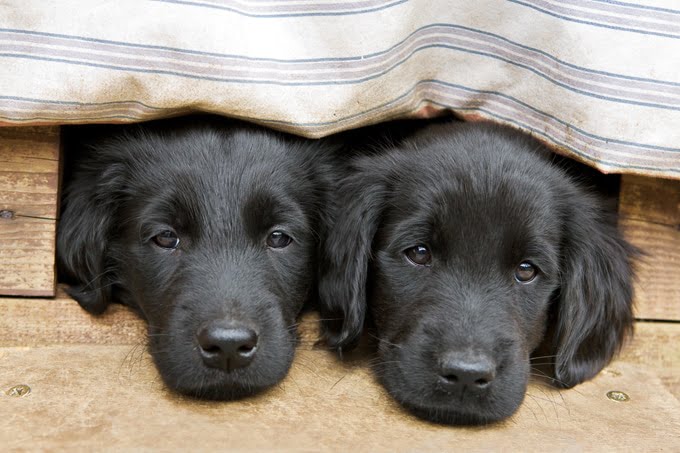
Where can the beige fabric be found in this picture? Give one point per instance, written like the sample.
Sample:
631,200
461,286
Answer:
598,79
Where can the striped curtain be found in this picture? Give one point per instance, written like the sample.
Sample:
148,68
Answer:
599,80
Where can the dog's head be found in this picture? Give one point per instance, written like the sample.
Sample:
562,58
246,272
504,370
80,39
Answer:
211,232
468,242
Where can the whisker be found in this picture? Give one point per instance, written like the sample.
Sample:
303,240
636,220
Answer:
537,404
337,382
320,319
554,379
96,277
382,340
548,400
552,400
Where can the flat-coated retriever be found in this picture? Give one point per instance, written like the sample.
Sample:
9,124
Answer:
471,248
210,229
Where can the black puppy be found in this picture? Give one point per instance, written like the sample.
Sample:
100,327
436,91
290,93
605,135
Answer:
475,248
210,229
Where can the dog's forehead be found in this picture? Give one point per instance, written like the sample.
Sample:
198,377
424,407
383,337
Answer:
477,195
233,161
215,180
454,190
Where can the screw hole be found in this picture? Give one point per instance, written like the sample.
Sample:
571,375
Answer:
19,390
6,214
618,396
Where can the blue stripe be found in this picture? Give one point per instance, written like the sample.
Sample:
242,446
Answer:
282,15
46,101
562,122
446,84
538,73
70,120
554,140
341,59
595,24
346,82
476,91
202,53
635,5
490,113
562,62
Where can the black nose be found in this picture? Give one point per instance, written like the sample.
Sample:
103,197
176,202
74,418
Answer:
466,369
227,346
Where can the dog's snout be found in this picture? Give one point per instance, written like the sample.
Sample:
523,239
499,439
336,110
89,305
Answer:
470,370
227,346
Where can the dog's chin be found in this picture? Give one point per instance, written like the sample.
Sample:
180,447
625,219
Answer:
219,388
418,391
183,371
446,415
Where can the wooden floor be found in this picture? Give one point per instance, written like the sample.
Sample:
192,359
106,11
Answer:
93,387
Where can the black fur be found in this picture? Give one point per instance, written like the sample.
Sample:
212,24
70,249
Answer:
482,199
222,186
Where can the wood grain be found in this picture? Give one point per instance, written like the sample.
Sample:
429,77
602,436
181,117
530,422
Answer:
111,398
657,288
655,348
95,387
650,199
649,211
61,321
29,186
41,322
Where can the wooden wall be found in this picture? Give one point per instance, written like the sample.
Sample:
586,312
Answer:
649,212
29,186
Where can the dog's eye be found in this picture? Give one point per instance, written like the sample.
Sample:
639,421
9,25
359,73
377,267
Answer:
525,272
278,240
166,239
419,255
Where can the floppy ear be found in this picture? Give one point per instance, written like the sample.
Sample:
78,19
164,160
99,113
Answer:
84,232
346,253
595,308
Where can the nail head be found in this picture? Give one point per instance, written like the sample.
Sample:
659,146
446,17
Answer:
6,214
19,390
616,395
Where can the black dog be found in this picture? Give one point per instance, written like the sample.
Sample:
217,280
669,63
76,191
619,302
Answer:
210,229
475,249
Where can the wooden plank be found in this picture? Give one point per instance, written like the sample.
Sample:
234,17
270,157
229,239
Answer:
29,194
650,199
657,288
655,347
92,398
649,212
42,322
84,371
61,321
